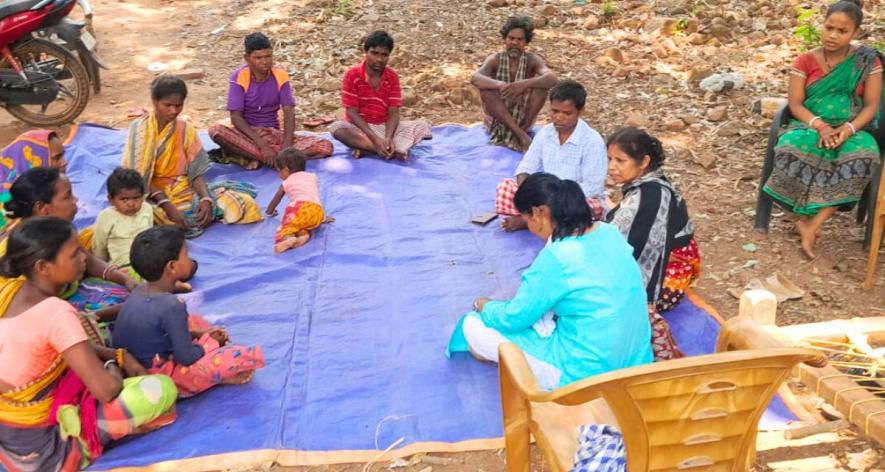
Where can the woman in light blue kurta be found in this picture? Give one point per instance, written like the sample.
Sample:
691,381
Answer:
586,275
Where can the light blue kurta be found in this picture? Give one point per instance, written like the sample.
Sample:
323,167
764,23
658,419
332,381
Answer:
594,286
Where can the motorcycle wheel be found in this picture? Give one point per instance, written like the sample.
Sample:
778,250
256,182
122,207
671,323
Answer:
72,79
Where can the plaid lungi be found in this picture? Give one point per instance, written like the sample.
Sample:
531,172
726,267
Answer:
507,190
233,141
408,133
600,449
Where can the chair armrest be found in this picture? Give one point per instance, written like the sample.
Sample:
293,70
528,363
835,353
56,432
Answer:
513,365
742,333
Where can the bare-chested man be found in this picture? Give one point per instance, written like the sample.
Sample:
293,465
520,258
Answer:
513,85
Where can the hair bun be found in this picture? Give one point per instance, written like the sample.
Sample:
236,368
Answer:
14,208
6,268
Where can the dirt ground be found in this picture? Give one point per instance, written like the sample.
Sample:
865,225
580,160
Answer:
639,64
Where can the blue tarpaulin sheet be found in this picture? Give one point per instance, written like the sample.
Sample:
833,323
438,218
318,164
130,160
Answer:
354,325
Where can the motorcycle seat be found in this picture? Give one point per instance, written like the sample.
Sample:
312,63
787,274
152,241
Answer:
11,7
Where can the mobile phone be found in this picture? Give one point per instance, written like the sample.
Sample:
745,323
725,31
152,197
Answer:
484,219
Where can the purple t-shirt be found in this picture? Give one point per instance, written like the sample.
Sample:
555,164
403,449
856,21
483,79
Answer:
262,102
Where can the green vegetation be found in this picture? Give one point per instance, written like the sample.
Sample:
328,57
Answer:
340,8
608,8
807,32
681,26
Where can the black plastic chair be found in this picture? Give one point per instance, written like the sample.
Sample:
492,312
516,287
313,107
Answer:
866,207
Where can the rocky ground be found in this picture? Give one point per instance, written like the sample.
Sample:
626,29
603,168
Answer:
642,62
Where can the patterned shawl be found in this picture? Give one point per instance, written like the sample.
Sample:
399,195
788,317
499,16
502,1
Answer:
654,219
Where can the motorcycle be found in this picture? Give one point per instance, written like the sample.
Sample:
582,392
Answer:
41,82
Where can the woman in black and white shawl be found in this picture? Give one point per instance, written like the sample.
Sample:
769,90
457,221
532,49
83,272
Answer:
653,217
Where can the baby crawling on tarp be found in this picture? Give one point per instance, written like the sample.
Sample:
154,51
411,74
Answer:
153,323
304,212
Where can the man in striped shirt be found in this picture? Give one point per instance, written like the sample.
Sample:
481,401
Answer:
567,148
372,98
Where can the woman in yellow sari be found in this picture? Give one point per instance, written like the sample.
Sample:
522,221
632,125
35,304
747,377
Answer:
167,152
62,399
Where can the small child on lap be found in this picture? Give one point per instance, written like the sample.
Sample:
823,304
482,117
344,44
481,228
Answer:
304,211
127,217
153,323
118,225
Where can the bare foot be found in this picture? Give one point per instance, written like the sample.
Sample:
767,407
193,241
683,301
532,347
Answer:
298,240
513,223
401,156
524,140
240,379
809,238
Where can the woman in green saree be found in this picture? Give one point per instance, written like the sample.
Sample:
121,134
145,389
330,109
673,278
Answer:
824,158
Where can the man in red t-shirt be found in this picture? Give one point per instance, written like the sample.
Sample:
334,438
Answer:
371,97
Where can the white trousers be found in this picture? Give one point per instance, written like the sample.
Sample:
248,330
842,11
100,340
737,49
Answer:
484,342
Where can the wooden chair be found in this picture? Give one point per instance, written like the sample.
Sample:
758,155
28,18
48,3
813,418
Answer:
697,413
877,227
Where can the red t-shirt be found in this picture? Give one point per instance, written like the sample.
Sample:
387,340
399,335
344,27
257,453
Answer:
809,67
372,104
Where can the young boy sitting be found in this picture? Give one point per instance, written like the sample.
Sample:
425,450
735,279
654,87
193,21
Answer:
153,323
118,225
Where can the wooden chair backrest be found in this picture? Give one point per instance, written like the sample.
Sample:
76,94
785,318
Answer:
697,414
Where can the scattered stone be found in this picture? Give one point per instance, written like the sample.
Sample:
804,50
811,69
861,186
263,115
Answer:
456,96
330,85
591,22
191,74
548,11
497,3
622,72
637,121
696,39
707,161
722,82
579,11
720,30
729,129
370,18
614,54
630,24
691,26
768,106
717,114
659,50
675,124
670,27
689,119
670,45
697,74
605,61
471,95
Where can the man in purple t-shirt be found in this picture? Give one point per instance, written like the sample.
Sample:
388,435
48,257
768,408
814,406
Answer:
257,93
